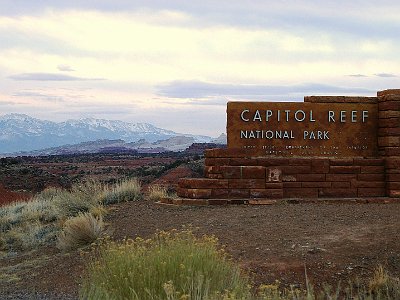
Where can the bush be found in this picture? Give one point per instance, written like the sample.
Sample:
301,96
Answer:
171,265
82,198
25,225
126,190
384,286
157,192
80,231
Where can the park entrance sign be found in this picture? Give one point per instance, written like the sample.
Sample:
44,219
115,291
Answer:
328,147
303,129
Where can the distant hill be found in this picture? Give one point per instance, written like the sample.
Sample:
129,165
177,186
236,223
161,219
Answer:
176,143
19,132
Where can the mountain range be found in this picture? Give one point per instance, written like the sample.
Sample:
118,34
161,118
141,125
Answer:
22,133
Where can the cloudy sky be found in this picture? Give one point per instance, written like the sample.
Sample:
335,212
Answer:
175,63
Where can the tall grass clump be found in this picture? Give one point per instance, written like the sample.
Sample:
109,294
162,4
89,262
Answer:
157,192
171,265
82,198
126,190
80,231
25,225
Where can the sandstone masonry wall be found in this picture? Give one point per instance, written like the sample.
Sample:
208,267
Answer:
240,176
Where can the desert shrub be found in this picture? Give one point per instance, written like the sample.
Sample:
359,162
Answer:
80,231
126,190
82,198
197,166
49,193
157,192
25,225
171,265
384,286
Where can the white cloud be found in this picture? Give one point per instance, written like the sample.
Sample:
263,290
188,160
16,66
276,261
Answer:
139,46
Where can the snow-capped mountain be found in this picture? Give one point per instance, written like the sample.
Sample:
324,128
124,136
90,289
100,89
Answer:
19,132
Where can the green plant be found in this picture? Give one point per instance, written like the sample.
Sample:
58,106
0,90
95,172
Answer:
126,190
82,198
157,192
171,265
80,231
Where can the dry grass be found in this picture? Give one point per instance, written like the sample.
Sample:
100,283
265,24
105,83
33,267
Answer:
157,192
26,225
126,190
80,231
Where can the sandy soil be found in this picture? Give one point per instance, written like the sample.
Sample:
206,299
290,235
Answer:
331,241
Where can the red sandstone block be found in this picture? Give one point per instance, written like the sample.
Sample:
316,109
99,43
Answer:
393,95
389,141
392,122
300,192
392,170
273,185
371,177
341,162
231,172
212,170
253,172
221,161
320,166
372,169
392,185
291,185
393,193
247,183
203,183
214,176
182,192
217,201
288,178
388,114
389,131
371,192
208,161
369,161
220,193
393,177
392,163
340,184
344,169
299,161
264,193
389,105
317,184
243,161
340,99
369,184
296,170
340,177
272,161
389,92
194,202
338,192
216,162
391,151
198,193
310,177
239,193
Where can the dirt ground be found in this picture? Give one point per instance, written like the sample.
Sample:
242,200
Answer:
333,242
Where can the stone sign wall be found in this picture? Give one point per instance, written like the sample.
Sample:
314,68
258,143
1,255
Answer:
327,147
304,129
